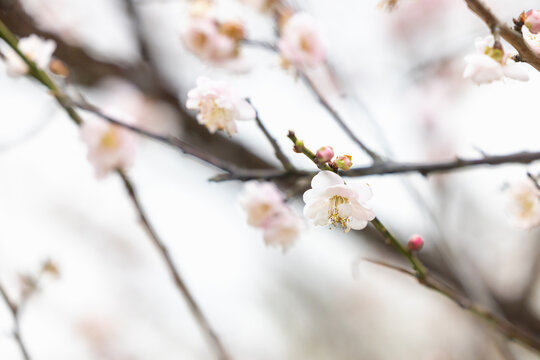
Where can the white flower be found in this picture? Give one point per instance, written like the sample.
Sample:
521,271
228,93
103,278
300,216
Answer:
205,38
35,48
332,201
261,201
523,204
283,229
533,40
218,106
301,42
110,147
491,64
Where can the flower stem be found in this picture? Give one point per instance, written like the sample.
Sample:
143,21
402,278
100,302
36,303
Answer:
299,147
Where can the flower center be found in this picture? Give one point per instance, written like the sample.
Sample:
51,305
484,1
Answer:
216,116
334,214
110,139
199,40
305,44
526,204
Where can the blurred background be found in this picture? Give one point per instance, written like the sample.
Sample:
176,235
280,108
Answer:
397,81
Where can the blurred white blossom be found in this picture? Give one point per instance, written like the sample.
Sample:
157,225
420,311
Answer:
332,201
35,48
218,106
491,63
532,39
261,201
266,209
110,147
301,42
523,204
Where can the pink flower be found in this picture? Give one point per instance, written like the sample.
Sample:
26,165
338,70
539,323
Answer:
532,21
415,243
266,209
203,38
261,201
110,147
218,106
325,154
34,48
283,229
491,63
301,42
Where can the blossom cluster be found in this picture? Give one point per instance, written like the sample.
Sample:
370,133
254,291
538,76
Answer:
266,209
325,155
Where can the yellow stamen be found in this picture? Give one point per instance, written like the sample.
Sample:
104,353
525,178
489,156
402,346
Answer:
334,215
110,138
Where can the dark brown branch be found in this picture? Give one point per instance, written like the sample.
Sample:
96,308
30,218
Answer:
15,313
386,168
513,37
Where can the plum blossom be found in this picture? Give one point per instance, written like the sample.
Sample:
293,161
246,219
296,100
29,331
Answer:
218,106
301,42
266,209
491,63
523,204
260,201
532,21
35,48
533,40
283,229
212,41
110,147
331,201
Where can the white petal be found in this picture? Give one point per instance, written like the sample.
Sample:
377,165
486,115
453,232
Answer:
343,190
515,71
315,209
312,194
363,191
357,224
325,179
362,213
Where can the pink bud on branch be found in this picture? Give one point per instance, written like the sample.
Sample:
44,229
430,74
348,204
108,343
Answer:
325,154
415,243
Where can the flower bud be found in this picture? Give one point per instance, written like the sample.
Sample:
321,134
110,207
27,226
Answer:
415,243
532,21
344,162
325,154
57,67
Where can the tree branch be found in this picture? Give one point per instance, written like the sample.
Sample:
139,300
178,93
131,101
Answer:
390,167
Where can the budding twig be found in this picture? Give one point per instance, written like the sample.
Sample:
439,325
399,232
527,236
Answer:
421,274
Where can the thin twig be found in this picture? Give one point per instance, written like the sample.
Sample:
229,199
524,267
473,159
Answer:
165,139
67,105
174,272
14,310
287,165
390,167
